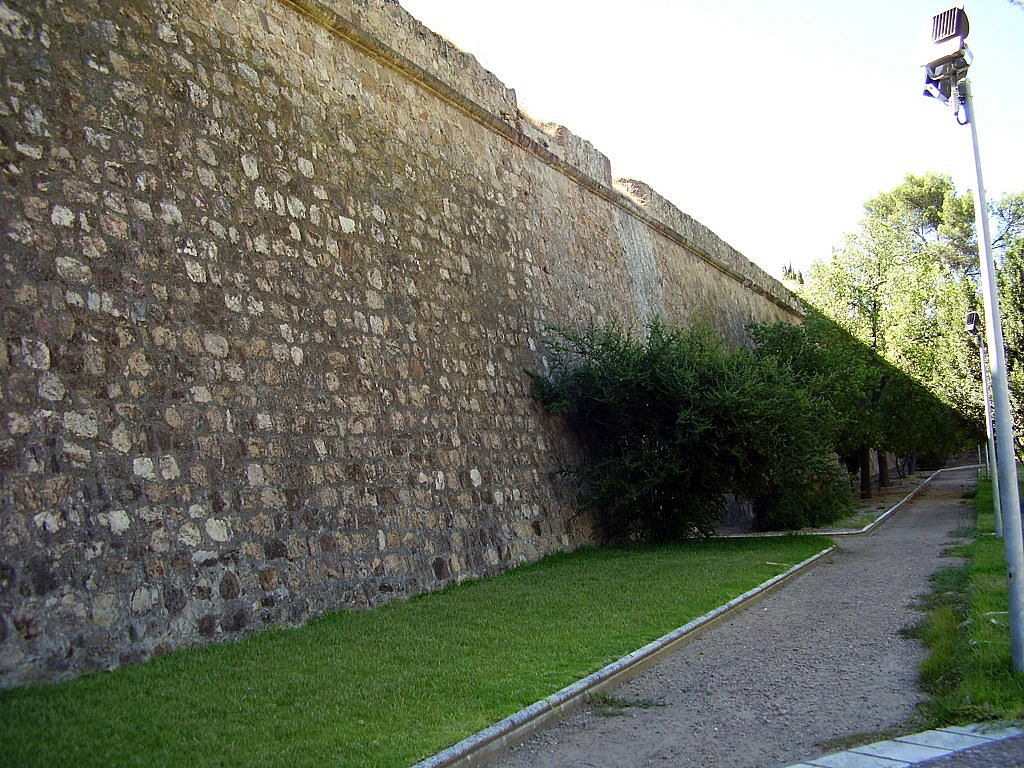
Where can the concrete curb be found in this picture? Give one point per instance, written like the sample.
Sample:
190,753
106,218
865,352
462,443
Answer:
855,531
516,728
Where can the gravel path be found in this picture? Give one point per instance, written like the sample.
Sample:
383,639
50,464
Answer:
791,677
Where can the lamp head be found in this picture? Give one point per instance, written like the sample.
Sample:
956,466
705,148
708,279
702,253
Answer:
973,325
949,25
944,51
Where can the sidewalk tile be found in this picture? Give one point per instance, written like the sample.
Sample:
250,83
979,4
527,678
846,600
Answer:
986,731
855,760
895,750
944,739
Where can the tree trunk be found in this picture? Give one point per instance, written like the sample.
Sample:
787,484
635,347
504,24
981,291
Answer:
865,472
883,470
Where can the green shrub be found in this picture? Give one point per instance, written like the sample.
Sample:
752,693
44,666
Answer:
673,421
819,493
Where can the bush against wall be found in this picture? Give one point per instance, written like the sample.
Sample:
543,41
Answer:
673,421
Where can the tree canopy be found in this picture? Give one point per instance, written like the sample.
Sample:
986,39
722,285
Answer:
902,285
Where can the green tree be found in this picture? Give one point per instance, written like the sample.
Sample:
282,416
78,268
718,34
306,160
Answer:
790,274
865,401
901,285
833,367
927,218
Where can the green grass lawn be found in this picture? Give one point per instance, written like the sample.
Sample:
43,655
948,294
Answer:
969,672
392,685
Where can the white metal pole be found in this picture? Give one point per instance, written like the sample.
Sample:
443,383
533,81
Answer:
1006,464
990,453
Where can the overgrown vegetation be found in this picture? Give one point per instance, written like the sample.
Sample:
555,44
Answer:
390,686
969,672
673,421
609,705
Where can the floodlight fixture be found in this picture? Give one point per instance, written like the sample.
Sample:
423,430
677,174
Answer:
946,55
948,35
949,25
973,325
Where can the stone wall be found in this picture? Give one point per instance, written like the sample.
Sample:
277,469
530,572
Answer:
270,275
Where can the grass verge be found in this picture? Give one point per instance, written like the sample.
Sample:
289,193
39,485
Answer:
392,685
968,672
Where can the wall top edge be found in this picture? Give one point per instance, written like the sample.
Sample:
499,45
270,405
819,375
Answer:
385,30
703,238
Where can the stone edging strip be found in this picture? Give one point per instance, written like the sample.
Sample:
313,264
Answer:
515,728
855,531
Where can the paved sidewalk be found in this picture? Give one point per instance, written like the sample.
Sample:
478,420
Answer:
819,662
1007,753
973,746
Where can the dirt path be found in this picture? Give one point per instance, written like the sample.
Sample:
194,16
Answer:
817,662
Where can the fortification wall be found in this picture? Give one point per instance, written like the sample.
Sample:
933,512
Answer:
270,275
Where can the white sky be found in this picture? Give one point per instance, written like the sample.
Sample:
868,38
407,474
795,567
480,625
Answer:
770,121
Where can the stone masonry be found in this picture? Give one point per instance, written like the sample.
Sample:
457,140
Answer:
271,272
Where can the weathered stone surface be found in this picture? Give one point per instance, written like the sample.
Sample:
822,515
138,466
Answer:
266,304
